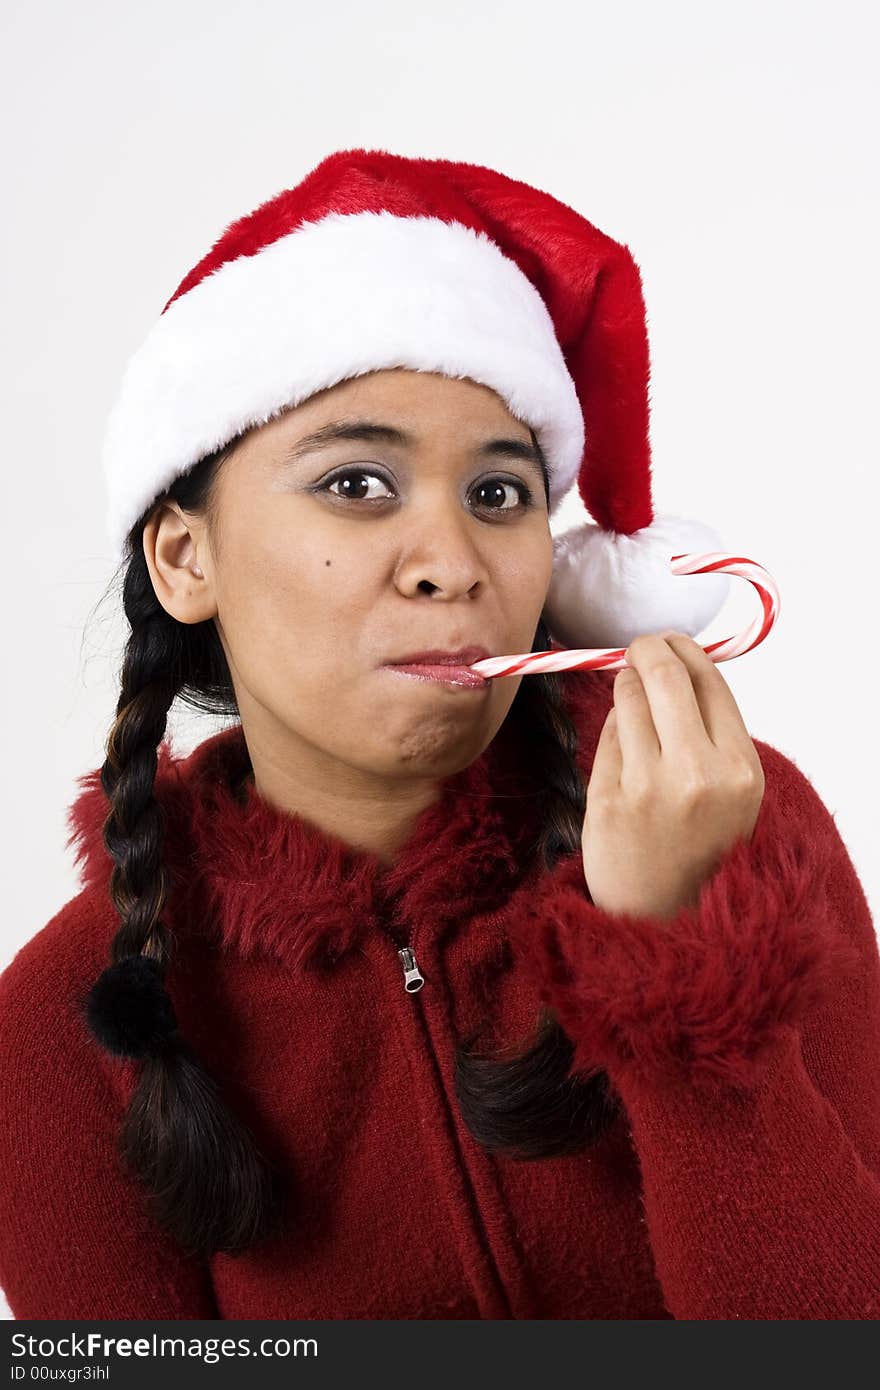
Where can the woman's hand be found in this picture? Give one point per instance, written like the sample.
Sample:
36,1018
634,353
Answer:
676,780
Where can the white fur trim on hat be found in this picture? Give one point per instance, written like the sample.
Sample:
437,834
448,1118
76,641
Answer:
607,589
337,298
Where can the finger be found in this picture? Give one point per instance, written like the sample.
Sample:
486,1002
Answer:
721,714
605,772
639,742
672,700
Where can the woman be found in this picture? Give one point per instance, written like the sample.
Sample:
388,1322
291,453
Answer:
411,994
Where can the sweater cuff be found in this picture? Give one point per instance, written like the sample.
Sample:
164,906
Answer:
703,996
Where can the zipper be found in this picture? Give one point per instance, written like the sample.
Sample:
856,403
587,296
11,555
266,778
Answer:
413,982
413,979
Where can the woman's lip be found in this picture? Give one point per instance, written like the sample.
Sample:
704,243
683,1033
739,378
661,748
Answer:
445,674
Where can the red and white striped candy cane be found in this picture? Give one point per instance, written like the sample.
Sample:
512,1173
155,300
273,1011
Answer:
614,658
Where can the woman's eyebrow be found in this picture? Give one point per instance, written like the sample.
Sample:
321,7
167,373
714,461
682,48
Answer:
367,431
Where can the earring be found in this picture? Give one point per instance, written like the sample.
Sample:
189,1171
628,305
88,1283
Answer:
197,572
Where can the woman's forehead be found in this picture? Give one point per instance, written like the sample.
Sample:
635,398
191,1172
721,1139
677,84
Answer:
394,416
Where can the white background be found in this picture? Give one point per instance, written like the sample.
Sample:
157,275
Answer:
733,149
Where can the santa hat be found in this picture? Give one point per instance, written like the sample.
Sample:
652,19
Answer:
378,260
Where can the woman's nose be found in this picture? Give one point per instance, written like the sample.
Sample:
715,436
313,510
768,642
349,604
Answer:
441,551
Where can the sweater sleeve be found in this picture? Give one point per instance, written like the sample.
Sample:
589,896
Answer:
743,1037
76,1237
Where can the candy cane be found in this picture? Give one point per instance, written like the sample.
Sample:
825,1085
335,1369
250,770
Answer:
614,658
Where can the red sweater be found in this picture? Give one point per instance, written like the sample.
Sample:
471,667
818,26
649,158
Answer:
740,1180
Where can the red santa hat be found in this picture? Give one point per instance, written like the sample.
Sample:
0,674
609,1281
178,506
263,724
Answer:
378,260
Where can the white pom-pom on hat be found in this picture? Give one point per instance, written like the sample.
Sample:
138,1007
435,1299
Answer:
608,589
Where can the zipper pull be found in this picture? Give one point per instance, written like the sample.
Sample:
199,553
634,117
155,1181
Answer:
412,976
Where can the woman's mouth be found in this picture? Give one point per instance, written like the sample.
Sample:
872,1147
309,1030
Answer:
445,674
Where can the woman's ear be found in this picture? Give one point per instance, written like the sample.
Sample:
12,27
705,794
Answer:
171,544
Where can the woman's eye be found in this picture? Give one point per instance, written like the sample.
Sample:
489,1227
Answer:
349,491
493,494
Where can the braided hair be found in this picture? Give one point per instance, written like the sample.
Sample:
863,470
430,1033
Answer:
210,1185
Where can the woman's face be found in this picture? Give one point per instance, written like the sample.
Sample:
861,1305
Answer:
330,559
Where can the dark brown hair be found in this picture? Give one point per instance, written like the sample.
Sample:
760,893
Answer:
210,1185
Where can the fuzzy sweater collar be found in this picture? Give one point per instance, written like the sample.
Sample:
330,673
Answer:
262,882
